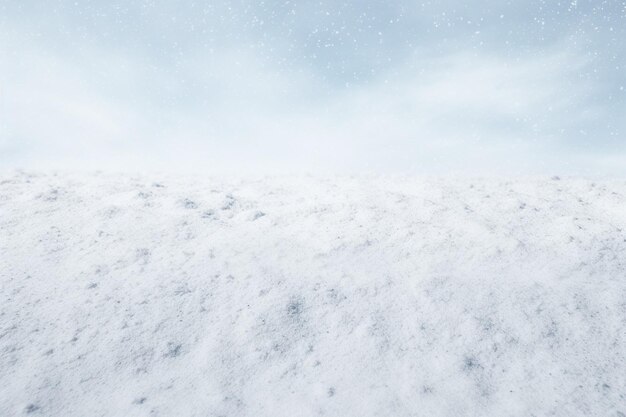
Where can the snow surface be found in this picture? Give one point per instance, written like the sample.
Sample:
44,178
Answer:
186,296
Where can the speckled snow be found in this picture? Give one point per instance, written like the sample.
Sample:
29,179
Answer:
368,296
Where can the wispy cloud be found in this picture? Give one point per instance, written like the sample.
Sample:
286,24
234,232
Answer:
235,109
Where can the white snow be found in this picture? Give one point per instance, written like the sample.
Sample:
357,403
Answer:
368,296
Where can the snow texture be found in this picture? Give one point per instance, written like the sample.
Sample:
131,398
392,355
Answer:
368,296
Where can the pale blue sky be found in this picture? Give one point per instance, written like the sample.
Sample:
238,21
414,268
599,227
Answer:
484,87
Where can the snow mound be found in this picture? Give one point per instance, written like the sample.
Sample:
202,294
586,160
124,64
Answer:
174,296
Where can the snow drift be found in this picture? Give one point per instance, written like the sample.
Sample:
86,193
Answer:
172,296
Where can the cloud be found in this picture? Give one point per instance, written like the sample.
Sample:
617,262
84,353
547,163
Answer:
233,109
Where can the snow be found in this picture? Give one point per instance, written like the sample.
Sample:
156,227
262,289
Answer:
303,296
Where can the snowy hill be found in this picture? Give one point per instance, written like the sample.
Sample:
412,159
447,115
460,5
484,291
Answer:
182,296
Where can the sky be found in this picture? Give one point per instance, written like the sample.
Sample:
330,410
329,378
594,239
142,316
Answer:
487,87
